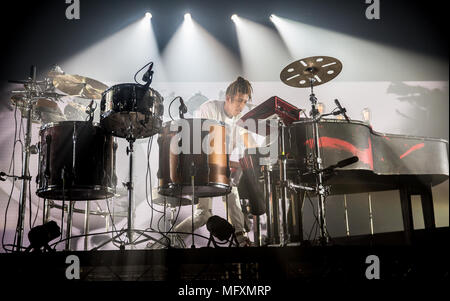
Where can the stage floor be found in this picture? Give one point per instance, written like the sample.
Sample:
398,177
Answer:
346,258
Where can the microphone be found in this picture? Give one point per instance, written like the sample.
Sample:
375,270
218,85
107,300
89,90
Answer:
2,176
347,161
89,107
341,109
147,77
341,163
182,109
90,111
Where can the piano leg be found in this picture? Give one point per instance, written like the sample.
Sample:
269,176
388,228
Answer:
427,207
424,190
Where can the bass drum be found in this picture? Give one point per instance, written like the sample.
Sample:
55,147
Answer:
76,162
131,110
193,147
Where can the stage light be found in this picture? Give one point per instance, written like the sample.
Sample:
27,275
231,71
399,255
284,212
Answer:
40,236
272,17
192,54
148,15
135,42
219,227
187,17
234,17
252,37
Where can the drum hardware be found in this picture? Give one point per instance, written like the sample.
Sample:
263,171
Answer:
31,89
192,172
304,73
48,204
131,205
284,234
4,175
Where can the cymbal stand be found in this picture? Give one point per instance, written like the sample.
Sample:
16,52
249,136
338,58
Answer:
193,172
31,89
284,237
320,189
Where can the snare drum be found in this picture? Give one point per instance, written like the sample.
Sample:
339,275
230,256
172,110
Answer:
76,162
131,110
193,147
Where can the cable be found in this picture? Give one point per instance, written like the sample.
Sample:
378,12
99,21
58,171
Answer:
6,215
113,224
316,219
11,165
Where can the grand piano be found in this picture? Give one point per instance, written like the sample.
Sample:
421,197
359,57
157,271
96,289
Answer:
386,161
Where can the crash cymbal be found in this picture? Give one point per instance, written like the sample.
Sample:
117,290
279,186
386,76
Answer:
320,69
44,110
77,85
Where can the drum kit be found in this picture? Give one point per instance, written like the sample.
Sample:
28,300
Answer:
77,158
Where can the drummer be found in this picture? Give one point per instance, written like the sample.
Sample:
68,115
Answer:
229,111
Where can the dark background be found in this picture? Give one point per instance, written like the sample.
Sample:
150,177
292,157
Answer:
37,32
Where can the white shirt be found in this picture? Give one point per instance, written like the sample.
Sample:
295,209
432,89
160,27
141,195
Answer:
214,110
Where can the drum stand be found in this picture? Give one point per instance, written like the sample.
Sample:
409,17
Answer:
131,207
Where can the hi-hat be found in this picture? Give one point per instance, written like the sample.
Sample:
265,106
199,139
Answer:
81,86
318,69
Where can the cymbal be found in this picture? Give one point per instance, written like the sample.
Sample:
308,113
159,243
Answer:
77,85
44,110
75,111
320,69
